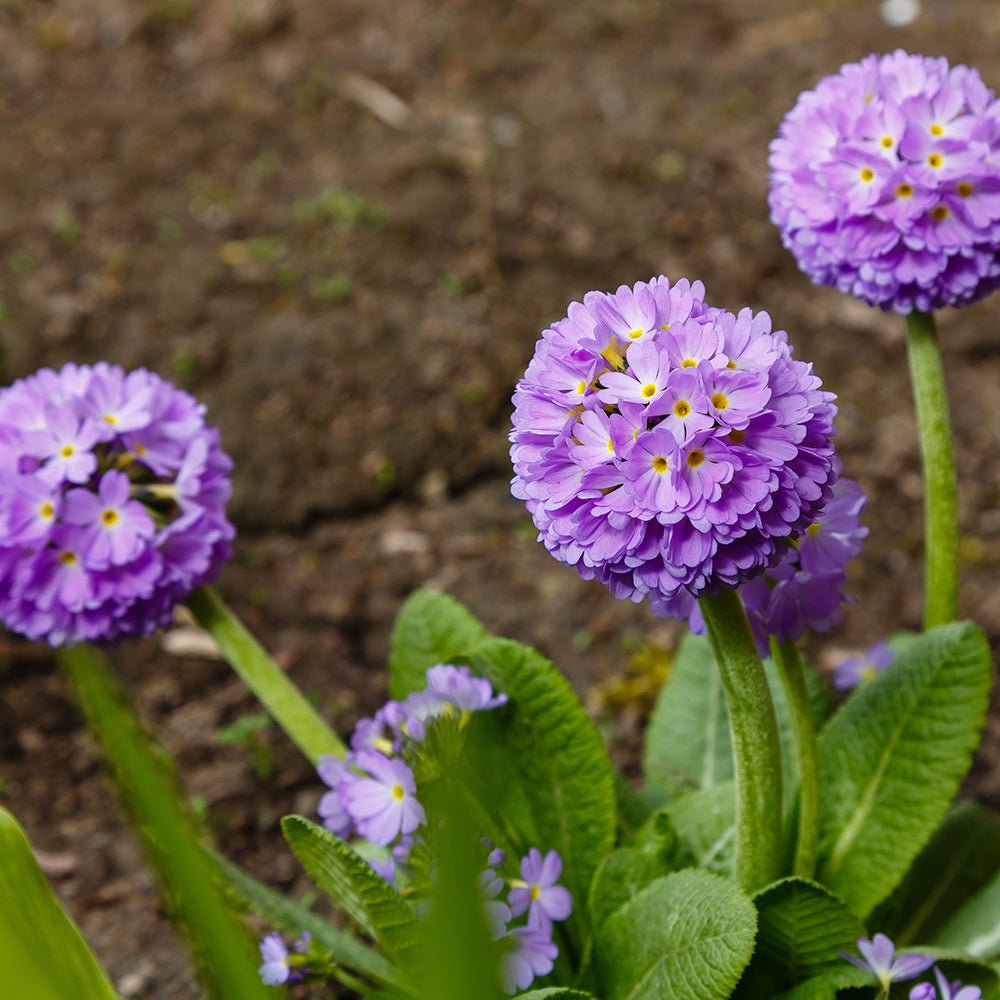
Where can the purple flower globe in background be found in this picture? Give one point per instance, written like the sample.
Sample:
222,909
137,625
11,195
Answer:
885,184
667,448
113,499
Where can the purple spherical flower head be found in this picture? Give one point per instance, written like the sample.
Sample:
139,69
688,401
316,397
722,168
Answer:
945,990
531,952
540,896
275,969
879,958
855,670
884,182
113,499
667,448
382,803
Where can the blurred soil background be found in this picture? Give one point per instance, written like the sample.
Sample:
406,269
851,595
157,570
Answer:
342,225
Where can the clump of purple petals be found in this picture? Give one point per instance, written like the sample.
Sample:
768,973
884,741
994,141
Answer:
281,966
878,956
884,182
945,990
113,499
667,448
855,670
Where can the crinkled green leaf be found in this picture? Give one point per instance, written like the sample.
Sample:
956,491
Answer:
687,935
351,884
560,760
706,825
42,954
893,757
975,928
622,875
801,928
832,984
961,858
291,917
431,628
554,993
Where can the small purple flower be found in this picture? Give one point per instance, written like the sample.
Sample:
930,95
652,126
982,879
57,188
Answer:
498,914
458,686
945,990
879,958
113,499
691,449
383,803
275,969
540,896
884,182
855,670
336,775
530,953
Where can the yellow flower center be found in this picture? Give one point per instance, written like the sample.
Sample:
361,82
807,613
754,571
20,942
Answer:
67,451
964,189
536,891
695,457
635,334
939,213
664,326
936,129
682,408
737,436
611,446
904,191
580,387
67,558
813,530
47,511
109,517
110,418
649,390
867,174
720,400
660,464
613,354
868,673
398,793
886,141
935,160
140,450
689,363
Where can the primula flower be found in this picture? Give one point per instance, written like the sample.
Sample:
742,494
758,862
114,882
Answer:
884,182
382,803
945,990
691,449
113,499
879,958
855,670
275,969
530,952
539,894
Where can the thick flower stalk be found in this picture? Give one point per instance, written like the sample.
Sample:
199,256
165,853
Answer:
113,499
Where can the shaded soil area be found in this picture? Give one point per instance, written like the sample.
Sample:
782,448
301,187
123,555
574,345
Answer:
343,226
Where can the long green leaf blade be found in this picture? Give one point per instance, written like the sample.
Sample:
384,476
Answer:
975,928
892,759
224,954
42,954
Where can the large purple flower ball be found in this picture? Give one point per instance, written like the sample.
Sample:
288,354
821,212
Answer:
113,499
667,448
885,183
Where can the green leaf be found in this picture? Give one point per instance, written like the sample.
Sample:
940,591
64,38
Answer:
431,628
351,884
975,928
42,954
959,860
801,927
554,993
829,985
688,935
706,825
224,953
622,875
893,758
560,761
286,915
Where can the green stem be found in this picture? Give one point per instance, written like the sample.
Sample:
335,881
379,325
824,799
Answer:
793,681
940,490
282,699
756,751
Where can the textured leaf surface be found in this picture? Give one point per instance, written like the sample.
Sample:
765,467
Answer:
431,628
622,875
892,759
352,885
975,928
687,935
287,915
554,993
829,985
706,825
42,955
961,858
560,761
800,929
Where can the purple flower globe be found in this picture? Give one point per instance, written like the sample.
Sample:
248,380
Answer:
113,499
885,183
666,448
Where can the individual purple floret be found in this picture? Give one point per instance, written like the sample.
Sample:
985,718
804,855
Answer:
530,953
539,895
113,499
945,990
498,914
382,801
667,448
879,958
855,670
275,969
884,182
458,686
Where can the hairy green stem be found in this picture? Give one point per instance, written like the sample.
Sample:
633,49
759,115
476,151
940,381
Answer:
793,681
940,489
756,751
283,700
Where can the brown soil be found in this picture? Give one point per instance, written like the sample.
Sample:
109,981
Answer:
342,225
